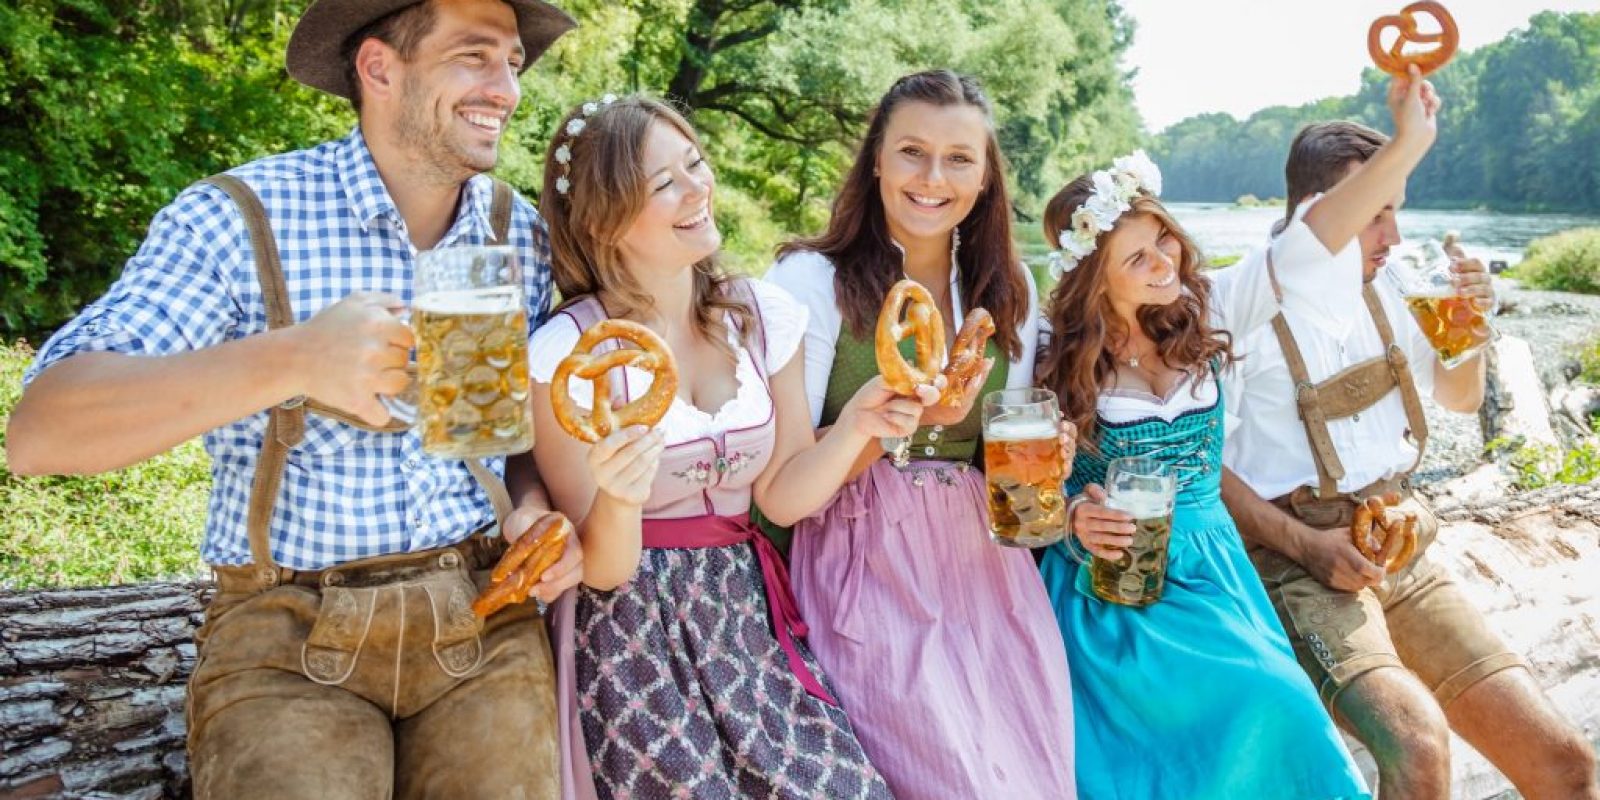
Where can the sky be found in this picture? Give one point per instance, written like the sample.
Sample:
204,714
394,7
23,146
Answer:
1240,56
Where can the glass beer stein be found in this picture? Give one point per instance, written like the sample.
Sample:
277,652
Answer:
1024,467
1456,326
1146,489
471,326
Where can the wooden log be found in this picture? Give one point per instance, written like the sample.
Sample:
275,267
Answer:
1515,406
92,681
92,688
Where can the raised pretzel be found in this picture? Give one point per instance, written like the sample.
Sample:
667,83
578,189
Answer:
651,355
520,569
966,357
1388,542
922,319
1394,60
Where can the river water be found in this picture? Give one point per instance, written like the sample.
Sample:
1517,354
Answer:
1225,230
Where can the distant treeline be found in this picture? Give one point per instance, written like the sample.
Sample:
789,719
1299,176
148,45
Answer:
1520,129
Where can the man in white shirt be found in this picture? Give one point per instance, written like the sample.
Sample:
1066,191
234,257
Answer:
1327,413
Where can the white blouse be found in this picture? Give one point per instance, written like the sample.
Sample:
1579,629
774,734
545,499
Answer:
785,322
809,277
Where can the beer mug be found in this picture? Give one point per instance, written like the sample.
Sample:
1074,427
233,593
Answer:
1456,326
471,326
1146,489
1023,466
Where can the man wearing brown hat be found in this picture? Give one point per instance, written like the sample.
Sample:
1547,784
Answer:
340,656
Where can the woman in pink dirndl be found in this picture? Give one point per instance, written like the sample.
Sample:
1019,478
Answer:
685,668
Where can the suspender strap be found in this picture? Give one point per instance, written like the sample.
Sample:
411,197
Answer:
286,423
500,211
1329,468
1416,420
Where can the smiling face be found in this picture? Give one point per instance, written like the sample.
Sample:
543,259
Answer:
1142,260
931,169
460,88
675,226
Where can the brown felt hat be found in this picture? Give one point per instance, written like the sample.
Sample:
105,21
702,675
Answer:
315,55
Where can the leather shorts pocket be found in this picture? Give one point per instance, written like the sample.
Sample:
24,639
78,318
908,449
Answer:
457,631
331,649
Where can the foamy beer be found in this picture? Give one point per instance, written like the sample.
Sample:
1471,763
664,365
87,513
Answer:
1456,326
1145,489
1024,466
471,328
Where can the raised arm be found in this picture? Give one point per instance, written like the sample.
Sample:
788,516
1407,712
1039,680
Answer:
1347,208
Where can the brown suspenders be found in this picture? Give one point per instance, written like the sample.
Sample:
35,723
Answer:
286,423
1351,391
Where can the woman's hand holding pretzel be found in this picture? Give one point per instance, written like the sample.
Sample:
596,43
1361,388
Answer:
624,464
953,408
1103,531
877,412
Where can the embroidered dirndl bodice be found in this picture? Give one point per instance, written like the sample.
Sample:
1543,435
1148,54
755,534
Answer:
1191,443
710,474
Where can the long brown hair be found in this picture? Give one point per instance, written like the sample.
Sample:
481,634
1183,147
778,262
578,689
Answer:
1078,363
606,189
866,262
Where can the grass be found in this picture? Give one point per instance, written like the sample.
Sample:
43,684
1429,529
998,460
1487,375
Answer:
131,525
1565,262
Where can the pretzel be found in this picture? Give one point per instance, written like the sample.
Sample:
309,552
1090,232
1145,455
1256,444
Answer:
1394,61
652,355
966,356
1389,543
520,569
922,319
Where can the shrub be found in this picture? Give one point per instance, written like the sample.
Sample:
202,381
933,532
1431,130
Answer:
1565,262
139,523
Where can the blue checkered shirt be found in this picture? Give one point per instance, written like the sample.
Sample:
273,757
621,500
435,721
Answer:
347,493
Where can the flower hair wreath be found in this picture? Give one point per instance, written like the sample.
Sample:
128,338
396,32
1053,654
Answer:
1114,190
574,127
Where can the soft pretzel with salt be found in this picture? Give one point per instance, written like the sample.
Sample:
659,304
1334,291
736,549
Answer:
910,300
966,356
651,355
1394,60
520,569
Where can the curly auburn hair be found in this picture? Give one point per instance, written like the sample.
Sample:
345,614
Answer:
1078,361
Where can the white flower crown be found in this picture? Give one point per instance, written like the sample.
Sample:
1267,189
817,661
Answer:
1114,190
574,127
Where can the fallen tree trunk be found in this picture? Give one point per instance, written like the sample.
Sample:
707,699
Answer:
92,680
92,688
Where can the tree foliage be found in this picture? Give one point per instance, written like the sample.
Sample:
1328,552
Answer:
1520,129
113,106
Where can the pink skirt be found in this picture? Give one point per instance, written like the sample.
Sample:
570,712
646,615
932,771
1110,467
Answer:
941,645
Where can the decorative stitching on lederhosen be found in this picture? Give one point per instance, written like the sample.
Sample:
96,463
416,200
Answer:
286,422
1352,382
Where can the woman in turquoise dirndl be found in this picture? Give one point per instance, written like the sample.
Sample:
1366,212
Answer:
1197,696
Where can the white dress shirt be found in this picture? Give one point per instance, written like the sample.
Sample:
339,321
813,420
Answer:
1267,446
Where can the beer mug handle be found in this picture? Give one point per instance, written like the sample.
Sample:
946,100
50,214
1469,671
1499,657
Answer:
403,406
1074,547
